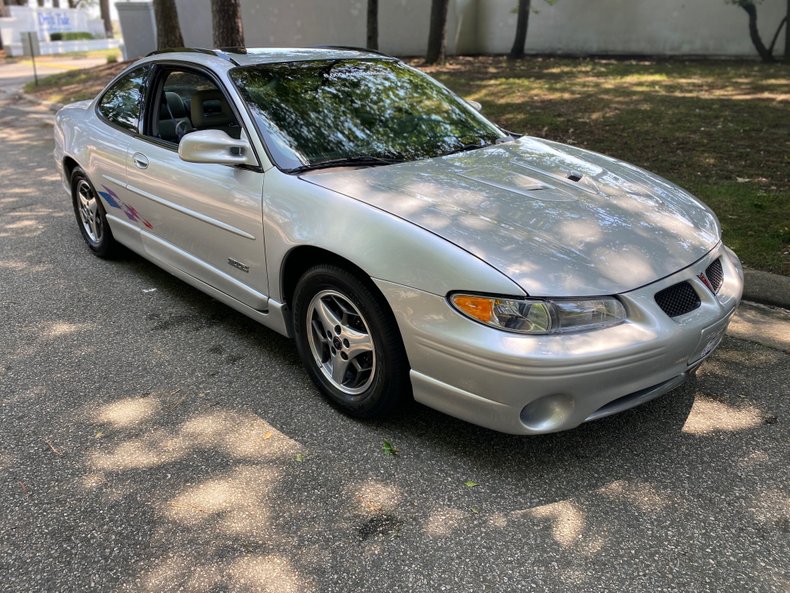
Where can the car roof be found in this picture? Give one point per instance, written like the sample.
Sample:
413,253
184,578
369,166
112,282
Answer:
236,56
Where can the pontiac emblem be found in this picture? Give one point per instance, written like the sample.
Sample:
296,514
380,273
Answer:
706,282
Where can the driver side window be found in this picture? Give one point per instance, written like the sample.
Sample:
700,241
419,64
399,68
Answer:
190,101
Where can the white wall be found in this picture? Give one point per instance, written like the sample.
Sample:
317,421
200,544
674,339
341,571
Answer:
403,24
653,27
195,19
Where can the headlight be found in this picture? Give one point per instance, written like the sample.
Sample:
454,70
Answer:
541,316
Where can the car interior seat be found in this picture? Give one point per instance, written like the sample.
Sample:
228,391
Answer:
173,118
210,111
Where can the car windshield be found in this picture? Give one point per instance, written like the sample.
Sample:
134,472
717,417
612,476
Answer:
357,111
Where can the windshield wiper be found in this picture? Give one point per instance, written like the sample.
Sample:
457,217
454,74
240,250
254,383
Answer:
364,160
466,147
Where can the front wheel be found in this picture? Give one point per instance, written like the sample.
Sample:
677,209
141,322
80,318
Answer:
349,343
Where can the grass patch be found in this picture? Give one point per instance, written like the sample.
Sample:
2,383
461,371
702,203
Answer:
74,85
721,129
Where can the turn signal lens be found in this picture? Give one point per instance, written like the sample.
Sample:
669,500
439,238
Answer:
533,316
480,308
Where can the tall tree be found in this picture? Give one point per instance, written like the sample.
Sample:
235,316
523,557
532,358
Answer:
168,29
766,53
228,28
373,24
517,51
3,13
787,32
104,8
437,34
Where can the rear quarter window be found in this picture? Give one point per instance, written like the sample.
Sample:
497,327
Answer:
120,104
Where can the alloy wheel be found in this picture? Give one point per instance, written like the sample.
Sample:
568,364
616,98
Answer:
340,342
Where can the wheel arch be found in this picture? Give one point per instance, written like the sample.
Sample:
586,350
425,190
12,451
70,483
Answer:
302,257
69,164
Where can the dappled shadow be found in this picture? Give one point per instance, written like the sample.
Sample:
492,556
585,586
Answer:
155,440
719,129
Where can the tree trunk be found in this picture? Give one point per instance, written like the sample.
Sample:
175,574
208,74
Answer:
168,30
373,24
228,28
517,51
72,3
104,8
437,36
751,10
41,3
787,32
2,14
55,3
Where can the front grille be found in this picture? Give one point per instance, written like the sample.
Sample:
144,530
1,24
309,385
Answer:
678,299
715,275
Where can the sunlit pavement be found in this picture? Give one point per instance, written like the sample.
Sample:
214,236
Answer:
154,440
15,73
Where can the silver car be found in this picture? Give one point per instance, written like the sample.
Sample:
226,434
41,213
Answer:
410,246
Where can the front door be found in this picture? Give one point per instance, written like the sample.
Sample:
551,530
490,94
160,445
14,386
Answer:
204,219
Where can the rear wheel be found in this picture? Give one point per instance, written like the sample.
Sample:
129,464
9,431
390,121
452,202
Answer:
349,343
91,216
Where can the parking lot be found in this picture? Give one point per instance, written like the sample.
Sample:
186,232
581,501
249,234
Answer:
155,440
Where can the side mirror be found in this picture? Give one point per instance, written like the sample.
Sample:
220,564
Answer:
474,104
215,146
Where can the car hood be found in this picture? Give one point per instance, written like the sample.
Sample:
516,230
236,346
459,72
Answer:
558,220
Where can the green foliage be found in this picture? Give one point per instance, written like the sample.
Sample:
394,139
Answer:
389,448
70,36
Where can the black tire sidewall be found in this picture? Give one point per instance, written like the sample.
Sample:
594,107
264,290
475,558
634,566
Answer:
104,247
390,383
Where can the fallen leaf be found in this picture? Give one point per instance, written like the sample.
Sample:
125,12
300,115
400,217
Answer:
52,447
742,179
471,484
474,510
389,448
267,435
99,435
299,457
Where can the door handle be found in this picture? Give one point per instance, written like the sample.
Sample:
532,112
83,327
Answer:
140,160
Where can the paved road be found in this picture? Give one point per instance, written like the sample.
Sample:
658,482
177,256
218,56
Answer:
154,440
15,73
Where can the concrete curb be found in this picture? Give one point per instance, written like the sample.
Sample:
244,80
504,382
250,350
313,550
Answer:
766,288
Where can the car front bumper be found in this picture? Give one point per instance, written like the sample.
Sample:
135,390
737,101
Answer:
523,384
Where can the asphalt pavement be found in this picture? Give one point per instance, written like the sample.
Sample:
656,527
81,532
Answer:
15,73
155,440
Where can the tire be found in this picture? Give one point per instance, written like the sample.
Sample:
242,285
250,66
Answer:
349,343
91,216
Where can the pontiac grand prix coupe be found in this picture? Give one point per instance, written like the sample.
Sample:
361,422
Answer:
407,243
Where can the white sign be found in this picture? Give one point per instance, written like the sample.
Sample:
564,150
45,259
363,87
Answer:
56,21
